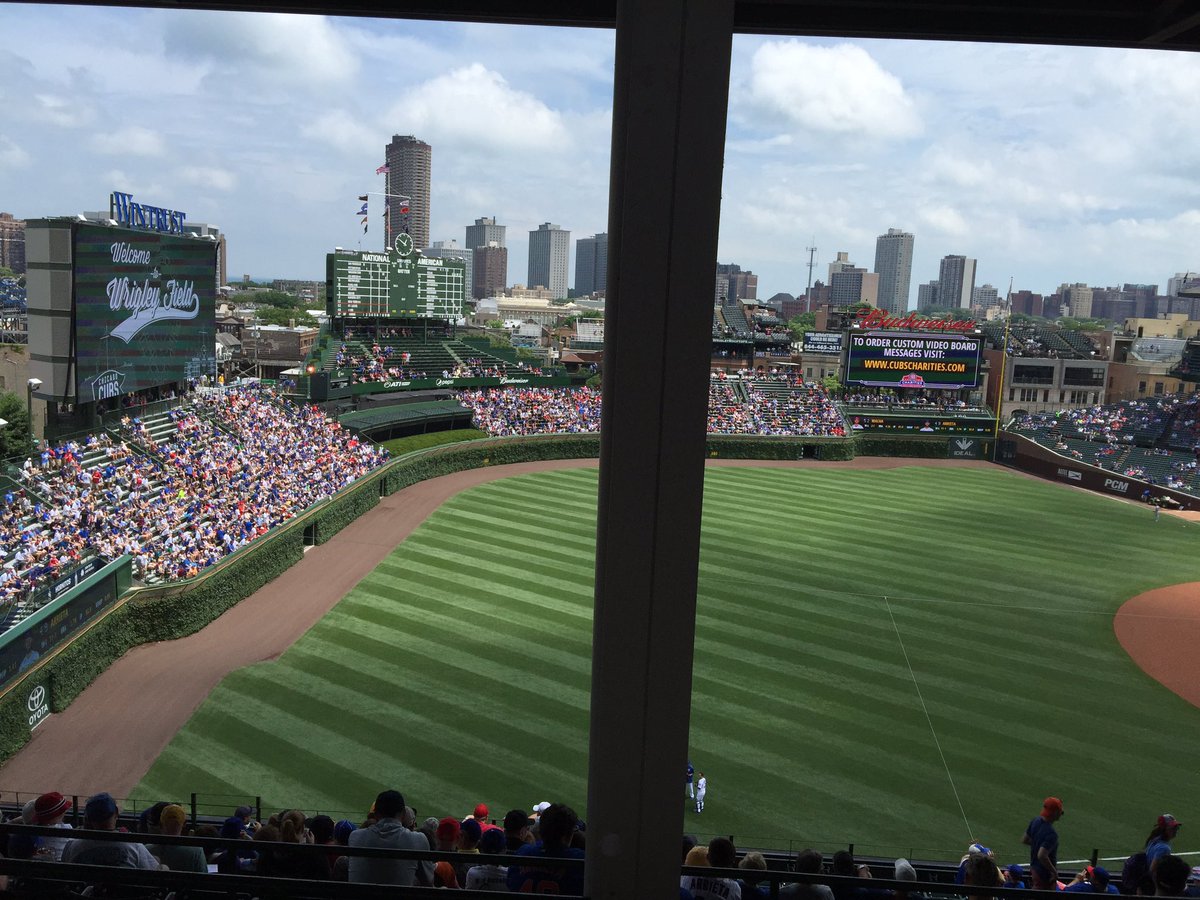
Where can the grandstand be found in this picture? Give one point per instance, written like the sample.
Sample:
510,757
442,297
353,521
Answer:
1031,339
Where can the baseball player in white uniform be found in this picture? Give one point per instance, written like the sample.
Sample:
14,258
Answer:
701,790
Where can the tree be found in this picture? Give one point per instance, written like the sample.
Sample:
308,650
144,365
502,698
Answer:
276,298
802,323
14,437
495,323
278,315
831,384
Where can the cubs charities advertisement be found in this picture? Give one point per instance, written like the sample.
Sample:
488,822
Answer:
904,359
144,310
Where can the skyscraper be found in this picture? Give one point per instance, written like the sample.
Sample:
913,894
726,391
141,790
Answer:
591,264
549,255
490,265
853,285
485,231
735,283
927,295
893,263
956,282
409,162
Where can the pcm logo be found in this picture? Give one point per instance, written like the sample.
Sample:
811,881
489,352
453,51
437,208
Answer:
1114,484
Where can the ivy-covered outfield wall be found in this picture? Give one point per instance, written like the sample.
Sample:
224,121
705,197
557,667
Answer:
162,613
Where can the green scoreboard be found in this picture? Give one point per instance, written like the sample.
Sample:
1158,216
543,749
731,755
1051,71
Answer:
396,283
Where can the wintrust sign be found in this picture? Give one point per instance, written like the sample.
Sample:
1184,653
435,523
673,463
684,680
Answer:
149,218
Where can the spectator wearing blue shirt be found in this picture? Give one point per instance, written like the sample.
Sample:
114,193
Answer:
1092,880
1158,844
1043,845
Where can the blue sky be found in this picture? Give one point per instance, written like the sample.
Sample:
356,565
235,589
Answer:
1048,164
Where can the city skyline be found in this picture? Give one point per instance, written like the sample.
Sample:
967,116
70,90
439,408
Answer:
1049,165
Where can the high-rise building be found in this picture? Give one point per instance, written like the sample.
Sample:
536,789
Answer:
1078,298
735,283
490,270
842,262
893,264
409,164
450,250
12,242
853,285
549,257
485,231
1180,281
1027,302
591,264
985,297
956,282
927,295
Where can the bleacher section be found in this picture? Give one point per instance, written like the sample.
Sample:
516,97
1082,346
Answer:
779,406
1034,340
177,490
1150,439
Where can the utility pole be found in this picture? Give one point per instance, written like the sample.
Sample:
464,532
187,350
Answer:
812,255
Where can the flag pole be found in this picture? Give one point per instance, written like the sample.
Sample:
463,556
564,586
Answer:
1003,366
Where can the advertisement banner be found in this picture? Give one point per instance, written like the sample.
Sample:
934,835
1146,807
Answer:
916,424
908,359
144,310
823,342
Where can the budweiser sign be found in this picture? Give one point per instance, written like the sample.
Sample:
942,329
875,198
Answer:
877,318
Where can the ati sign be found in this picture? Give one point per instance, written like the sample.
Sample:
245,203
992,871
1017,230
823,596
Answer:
37,705
965,448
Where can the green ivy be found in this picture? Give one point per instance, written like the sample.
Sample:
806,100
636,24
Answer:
932,447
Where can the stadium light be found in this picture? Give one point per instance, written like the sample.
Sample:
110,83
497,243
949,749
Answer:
32,385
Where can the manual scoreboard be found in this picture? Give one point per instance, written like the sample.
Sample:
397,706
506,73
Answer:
396,283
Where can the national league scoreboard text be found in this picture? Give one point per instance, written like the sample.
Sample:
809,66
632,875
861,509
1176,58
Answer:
394,284
904,359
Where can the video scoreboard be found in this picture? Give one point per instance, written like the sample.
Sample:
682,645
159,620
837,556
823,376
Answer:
907,359
396,283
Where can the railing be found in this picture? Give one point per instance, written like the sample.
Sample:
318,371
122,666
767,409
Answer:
44,873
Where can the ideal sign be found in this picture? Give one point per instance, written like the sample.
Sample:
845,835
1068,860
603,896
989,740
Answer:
965,448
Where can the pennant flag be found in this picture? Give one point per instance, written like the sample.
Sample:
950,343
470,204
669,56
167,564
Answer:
364,220
364,229
382,170
363,211
404,209
362,197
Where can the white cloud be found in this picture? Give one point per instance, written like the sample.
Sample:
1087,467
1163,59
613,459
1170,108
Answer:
474,110
11,155
344,131
273,48
61,111
944,219
835,90
130,140
208,177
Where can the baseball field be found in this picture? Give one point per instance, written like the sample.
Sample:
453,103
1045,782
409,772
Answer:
906,659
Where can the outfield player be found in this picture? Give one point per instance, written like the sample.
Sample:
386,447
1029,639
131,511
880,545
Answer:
701,790
691,788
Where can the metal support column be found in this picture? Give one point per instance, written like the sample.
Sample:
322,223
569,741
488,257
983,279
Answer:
669,109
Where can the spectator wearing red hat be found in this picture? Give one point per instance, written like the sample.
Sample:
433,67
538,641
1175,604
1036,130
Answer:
1043,845
1158,844
1092,880
447,874
49,810
481,816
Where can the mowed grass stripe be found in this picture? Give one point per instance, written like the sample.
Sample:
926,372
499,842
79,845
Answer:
474,635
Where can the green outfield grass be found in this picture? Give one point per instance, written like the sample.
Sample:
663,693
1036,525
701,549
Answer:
835,608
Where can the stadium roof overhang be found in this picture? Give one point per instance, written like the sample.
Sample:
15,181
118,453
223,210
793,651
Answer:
1160,24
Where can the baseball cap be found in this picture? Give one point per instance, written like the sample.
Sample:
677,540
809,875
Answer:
540,808
481,811
172,814
100,807
448,829
242,811
1016,871
905,870
1052,804
493,841
1166,820
978,850
516,819
1098,873
471,828
342,830
48,806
